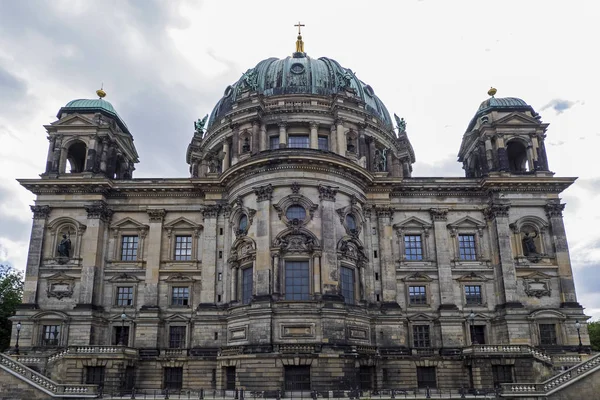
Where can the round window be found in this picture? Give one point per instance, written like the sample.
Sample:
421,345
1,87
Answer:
295,212
243,223
351,222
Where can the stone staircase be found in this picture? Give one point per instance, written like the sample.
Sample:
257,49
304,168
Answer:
590,367
44,384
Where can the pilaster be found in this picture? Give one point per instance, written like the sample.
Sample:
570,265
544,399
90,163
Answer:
209,251
388,264
34,257
262,263
329,264
439,216
156,218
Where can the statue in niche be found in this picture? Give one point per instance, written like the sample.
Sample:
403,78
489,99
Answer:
64,247
400,124
379,161
246,146
350,145
529,248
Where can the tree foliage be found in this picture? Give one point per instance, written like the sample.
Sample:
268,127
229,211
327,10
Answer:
11,291
594,332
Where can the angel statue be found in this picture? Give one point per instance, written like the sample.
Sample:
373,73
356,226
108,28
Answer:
400,124
199,125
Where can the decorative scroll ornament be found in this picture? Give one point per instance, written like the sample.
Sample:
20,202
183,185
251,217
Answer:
537,286
327,192
40,212
99,211
295,242
60,286
263,193
295,188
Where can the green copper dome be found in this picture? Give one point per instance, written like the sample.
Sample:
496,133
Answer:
300,75
87,106
505,104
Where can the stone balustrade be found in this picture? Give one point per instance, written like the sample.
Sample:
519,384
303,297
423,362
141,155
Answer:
507,348
99,350
45,384
174,352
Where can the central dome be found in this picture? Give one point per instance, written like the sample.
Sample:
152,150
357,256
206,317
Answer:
300,75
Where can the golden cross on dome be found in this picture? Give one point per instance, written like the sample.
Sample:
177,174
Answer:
299,25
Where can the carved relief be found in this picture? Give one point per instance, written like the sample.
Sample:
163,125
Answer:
537,285
439,214
554,209
211,211
156,215
99,211
327,192
263,193
60,286
40,212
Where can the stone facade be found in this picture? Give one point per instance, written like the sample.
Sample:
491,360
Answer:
300,253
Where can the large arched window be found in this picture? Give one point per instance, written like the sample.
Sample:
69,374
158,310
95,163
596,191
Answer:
351,222
517,156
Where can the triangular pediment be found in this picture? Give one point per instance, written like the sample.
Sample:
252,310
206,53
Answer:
417,277
467,222
73,120
182,222
537,276
177,318
472,277
413,222
128,223
420,317
517,118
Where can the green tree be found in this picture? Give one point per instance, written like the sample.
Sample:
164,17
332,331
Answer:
594,332
11,291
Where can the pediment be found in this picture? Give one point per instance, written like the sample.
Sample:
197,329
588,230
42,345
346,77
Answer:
413,222
128,223
60,276
420,317
117,317
537,276
177,318
467,222
73,120
179,278
56,315
182,222
124,278
517,118
417,277
472,277
549,314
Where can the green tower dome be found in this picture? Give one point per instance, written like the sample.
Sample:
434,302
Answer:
88,106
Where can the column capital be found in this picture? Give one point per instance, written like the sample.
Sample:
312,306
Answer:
327,192
99,211
211,211
40,212
282,124
554,209
313,125
263,192
157,214
439,214
495,210
384,212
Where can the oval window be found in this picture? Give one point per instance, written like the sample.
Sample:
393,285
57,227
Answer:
295,212
351,222
243,223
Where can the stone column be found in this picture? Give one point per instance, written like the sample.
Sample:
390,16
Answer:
317,274
92,252
314,135
209,254
57,154
535,150
262,266
371,154
387,263
90,162
255,136
234,282
369,270
329,265
554,211
51,140
235,145
282,135
497,213
332,138
276,274
396,167
489,154
34,256
156,218
225,162
341,137
388,161
530,158
439,217
104,155
502,155
264,145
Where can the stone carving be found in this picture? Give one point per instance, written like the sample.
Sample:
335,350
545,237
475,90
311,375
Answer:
99,211
199,125
529,248
211,211
214,163
64,247
246,145
156,215
400,124
40,212
384,212
327,192
554,209
536,287
380,161
496,211
439,214
345,78
263,192
298,242
60,286
295,188
249,81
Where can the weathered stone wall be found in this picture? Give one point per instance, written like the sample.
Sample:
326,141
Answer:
13,388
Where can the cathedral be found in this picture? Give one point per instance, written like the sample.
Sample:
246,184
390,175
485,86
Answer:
299,254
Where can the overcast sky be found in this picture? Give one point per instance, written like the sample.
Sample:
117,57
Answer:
166,63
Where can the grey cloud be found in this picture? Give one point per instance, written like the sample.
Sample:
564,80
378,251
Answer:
447,166
586,280
559,105
573,204
11,87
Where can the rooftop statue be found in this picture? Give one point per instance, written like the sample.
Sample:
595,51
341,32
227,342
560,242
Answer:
400,124
199,125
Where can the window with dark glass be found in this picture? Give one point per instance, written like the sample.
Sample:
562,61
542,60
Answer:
247,283
129,248
323,143
243,223
417,295
297,377
473,295
173,378
366,376
183,248
274,142
229,378
547,334
502,374
477,334
299,141
347,283
124,296
421,336
351,222
120,335
94,376
297,280
426,377
466,247
180,296
177,337
413,249
50,335
295,212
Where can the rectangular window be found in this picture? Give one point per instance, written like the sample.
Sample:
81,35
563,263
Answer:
421,336
297,377
347,283
502,374
94,376
183,248
417,295
297,280
124,296
274,142
426,377
297,141
413,249
473,295
50,335
180,296
365,377
129,248
466,247
177,337
120,336
247,276
229,378
547,334
323,143
173,378
477,334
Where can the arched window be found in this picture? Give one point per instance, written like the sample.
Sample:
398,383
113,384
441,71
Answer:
76,157
351,222
517,156
243,224
295,212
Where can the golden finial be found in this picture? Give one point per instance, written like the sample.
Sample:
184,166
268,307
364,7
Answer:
100,92
299,42
492,91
